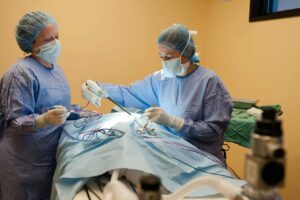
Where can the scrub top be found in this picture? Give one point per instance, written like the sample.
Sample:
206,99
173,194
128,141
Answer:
27,153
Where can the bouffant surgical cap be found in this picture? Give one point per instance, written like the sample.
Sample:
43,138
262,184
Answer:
177,37
30,26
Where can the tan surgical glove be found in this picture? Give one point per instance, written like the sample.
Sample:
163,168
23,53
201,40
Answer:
56,116
158,115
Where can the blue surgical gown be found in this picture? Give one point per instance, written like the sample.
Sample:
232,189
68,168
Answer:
27,154
200,98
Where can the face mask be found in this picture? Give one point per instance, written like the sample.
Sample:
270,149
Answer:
183,69
172,68
50,51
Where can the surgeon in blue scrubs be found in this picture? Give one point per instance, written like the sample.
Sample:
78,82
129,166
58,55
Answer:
190,100
35,96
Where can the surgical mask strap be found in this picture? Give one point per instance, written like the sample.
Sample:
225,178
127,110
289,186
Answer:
186,44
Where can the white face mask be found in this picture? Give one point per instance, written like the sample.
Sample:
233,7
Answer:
50,51
183,69
172,68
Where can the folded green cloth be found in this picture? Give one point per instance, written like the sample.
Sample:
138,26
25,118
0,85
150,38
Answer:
240,127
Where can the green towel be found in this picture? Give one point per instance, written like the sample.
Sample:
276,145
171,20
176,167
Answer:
240,127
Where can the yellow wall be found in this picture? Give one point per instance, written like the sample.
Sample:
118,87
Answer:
105,40
260,61
115,41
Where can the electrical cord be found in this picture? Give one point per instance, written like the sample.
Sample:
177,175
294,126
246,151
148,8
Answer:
87,190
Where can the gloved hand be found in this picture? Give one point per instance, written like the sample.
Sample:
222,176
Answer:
90,96
56,116
158,115
92,92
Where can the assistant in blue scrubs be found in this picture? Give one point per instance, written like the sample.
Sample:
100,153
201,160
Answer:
32,130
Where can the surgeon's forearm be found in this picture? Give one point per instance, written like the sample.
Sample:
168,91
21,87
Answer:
139,94
125,96
204,131
114,92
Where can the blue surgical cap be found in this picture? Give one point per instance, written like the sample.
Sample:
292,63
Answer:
176,37
30,26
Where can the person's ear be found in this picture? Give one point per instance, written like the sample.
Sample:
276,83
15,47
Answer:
35,50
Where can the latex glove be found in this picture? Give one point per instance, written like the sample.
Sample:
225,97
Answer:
56,116
95,88
92,92
89,95
158,115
